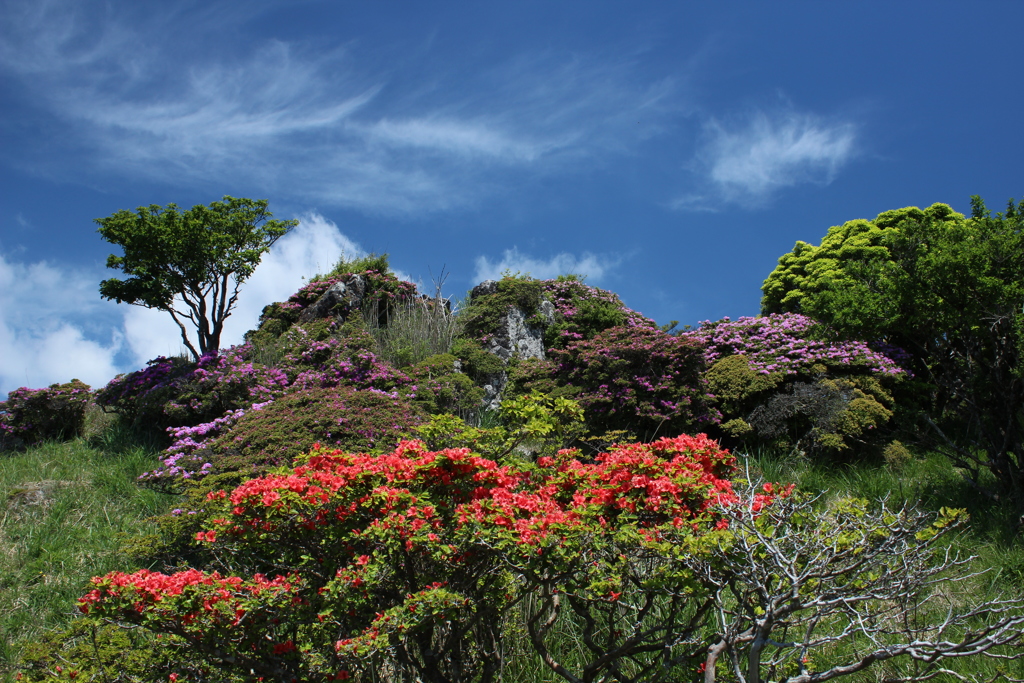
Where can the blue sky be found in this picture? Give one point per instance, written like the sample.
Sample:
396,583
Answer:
672,151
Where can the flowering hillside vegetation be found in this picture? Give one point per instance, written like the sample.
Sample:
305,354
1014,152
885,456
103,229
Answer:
541,482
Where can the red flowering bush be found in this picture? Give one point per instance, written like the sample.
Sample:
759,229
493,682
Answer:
408,563
31,415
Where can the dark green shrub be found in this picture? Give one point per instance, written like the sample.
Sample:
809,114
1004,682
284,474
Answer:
91,650
351,419
827,415
442,388
32,415
480,365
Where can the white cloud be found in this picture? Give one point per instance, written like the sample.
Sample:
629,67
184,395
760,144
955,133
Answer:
53,321
593,266
749,161
39,345
138,101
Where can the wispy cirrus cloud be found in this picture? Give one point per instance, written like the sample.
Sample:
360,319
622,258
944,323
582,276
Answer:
315,123
747,161
594,266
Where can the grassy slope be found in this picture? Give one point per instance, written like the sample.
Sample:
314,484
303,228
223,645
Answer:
48,551
63,509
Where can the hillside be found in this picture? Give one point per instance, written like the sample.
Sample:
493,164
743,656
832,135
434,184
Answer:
285,526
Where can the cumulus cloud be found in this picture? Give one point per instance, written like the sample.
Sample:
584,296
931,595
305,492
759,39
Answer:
54,326
138,100
594,266
748,161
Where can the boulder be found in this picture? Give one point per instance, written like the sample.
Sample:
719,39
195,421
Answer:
339,299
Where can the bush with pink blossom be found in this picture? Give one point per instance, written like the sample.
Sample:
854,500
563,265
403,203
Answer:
55,412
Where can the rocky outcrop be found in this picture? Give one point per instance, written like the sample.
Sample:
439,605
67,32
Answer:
512,338
340,298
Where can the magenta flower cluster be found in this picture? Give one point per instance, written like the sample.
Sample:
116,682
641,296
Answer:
568,296
630,375
781,343
32,415
181,459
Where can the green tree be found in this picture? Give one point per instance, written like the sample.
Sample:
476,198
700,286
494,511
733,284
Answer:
189,263
947,289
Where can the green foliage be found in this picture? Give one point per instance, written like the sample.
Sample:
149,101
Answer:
949,291
533,424
484,313
99,652
189,263
32,415
442,388
376,262
359,420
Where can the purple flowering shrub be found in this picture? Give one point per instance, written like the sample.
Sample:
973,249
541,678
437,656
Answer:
327,354
140,396
32,415
582,311
173,392
223,382
636,378
782,343
775,383
249,442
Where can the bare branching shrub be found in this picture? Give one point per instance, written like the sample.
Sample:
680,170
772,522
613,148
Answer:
805,594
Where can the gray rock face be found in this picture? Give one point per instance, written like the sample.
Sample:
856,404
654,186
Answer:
339,299
513,338
484,288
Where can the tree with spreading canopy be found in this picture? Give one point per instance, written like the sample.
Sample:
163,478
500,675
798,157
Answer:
189,263
947,289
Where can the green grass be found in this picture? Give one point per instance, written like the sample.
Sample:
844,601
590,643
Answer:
64,510
928,481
